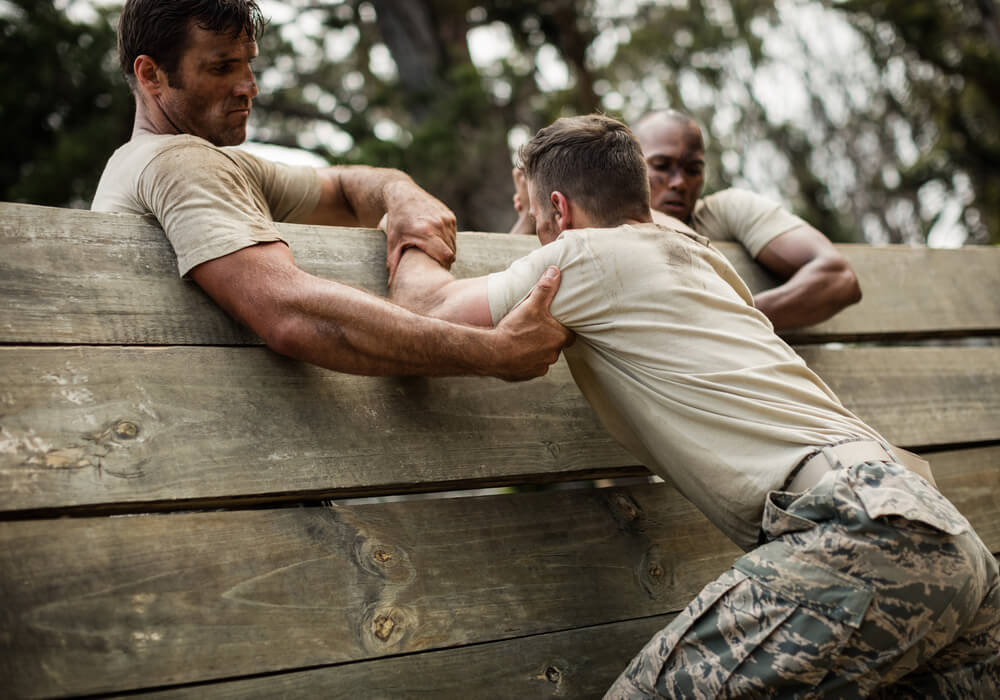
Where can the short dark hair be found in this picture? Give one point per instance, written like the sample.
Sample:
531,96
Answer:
159,28
593,160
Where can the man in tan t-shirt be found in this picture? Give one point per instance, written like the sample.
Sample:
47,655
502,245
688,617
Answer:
188,63
818,280
689,376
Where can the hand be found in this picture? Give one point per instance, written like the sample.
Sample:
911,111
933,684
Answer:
418,220
529,338
525,223
520,191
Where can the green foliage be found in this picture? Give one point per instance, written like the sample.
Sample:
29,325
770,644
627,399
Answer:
889,138
63,108
949,51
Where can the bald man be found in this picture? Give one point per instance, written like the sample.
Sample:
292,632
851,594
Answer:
818,281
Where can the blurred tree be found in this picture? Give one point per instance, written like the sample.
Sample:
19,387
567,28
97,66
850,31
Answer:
941,62
63,107
871,119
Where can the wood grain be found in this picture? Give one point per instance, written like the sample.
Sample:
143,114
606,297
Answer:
111,604
578,664
105,425
70,276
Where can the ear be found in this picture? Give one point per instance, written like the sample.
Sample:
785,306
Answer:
564,212
148,74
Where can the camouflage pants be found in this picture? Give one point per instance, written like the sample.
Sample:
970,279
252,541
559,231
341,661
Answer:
869,584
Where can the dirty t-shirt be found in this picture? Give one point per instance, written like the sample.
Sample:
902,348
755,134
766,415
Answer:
681,368
746,217
210,201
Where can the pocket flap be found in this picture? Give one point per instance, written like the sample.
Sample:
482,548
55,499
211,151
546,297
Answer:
830,593
887,490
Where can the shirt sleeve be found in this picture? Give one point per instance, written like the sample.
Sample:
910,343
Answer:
292,191
743,216
210,206
579,299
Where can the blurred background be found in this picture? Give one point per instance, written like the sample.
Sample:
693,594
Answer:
875,120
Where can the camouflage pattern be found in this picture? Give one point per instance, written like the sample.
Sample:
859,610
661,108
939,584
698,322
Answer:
869,584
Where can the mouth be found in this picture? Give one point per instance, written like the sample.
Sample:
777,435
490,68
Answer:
672,206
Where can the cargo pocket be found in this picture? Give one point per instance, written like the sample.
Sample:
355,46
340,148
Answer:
801,615
890,491
771,622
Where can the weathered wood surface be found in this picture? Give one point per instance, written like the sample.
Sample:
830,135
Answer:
971,480
110,604
99,425
69,276
578,664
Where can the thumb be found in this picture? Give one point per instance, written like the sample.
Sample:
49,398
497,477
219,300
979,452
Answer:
546,287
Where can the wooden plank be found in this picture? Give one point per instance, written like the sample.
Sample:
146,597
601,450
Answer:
917,396
111,604
577,664
132,425
971,480
119,284
103,425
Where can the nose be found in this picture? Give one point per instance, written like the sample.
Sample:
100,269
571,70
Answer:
675,179
247,85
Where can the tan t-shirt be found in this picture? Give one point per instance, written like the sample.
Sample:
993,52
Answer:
739,215
681,368
210,201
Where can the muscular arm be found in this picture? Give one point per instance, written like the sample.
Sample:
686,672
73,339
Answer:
423,286
819,280
345,329
362,196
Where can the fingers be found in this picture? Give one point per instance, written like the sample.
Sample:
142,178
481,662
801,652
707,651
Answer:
546,288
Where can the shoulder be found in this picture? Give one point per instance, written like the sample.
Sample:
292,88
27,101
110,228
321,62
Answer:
734,200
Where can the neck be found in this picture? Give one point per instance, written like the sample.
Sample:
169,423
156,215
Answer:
151,120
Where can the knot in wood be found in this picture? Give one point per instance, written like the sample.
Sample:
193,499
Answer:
382,627
381,555
552,448
553,674
626,507
656,571
126,430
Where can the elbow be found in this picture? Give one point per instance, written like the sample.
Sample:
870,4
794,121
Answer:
849,285
286,334
839,281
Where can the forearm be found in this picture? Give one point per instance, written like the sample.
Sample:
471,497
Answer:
419,283
371,192
347,330
816,292
424,286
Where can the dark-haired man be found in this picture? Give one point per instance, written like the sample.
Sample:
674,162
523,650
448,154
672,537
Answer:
188,63
818,280
860,576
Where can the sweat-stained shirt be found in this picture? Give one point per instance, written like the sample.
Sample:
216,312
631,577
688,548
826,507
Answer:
681,368
210,201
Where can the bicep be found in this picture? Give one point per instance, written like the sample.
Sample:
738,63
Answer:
787,253
332,209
